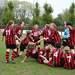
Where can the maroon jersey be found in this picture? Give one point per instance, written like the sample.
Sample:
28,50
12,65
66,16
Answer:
69,61
49,57
50,63
47,53
9,34
71,38
30,51
55,37
18,30
46,34
25,41
36,35
40,52
74,36
57,55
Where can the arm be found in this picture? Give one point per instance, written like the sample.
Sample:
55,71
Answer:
31,38
17,38
3,35
41,39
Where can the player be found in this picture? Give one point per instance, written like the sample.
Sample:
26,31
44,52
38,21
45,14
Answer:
36,33
31,50
25,41
28,44
10,41
47,52
41,55
66,34
71,37
48,59
69,59
18,30
57,56
54,37
46,33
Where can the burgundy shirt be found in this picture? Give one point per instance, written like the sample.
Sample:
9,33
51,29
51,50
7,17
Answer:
9,34
19,30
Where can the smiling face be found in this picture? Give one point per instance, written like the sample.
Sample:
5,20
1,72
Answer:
52,26
36,27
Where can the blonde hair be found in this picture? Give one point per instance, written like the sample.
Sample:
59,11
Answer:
66,48
54,25
36,25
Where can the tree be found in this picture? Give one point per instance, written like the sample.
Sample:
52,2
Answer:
47,16
7,13
65,15
72,13
59,20
10,5
36,14
1,11
69,14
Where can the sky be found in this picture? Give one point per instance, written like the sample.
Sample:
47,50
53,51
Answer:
58,5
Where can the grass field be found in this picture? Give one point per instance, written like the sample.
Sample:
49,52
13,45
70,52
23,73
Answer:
28,68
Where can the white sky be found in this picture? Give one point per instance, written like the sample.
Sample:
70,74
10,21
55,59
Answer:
58,5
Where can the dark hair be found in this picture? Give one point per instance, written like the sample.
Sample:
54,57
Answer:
20,22
28,33
68,23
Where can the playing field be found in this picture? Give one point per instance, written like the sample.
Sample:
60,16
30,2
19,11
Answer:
28,68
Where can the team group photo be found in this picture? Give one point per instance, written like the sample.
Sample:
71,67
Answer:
36,38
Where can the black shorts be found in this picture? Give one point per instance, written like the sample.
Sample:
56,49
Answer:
11,46
35,56
65,42
57,45
53,43
46,43
22,47
71,47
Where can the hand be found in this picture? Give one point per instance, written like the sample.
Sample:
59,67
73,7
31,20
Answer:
33,40
37,43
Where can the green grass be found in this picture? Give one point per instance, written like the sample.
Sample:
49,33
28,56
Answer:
28,68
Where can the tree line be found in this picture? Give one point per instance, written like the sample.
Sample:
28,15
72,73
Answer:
46,17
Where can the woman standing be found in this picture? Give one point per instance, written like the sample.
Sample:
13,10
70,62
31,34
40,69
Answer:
10,41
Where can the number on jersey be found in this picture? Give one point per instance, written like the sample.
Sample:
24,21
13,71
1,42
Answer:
56,54
69,58
8,32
